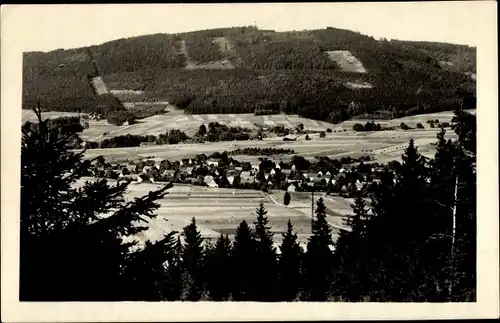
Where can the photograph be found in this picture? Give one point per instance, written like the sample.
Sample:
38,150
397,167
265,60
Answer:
272,154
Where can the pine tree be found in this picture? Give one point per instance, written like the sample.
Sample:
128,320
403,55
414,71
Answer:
219,269
266,271
244,268
69,251
289,266
319,256
192,258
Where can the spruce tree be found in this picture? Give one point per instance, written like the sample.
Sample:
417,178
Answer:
219,269
266,270
69,250
319,257
174,283
289,266
244,267
192,258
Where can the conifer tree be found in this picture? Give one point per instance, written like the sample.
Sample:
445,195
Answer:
244,268
192,258
69,251
319,257
266,270
173,285
219,269
289,266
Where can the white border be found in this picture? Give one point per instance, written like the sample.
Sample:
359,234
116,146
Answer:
488,277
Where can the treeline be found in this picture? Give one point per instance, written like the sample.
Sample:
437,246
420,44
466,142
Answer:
261,151
68,252
172,137
221,132
118,118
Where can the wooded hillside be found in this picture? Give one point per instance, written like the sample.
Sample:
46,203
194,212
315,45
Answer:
292,69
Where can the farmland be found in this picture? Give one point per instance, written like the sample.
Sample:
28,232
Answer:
383,145
219,210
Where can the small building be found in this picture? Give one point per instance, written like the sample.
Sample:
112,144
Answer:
328,174
238,168
208,179
230,179
146,169
320,174
188,170
212,184
212,162
291,188
272,172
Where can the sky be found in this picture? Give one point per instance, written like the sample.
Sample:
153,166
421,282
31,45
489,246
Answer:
49,27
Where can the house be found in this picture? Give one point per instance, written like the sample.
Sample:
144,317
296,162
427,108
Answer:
230,179
255,167
294,168
169,172
146,169
278,166
143,179
212,162
246,178
212,184
238,168
272,172
287,172
266,175
359,185
291,188
328,174
342,170
188,170
208,179
320,174
190,162
216,172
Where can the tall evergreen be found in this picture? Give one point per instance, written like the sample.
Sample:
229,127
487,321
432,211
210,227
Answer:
192,258
289,277
219,269
173,285
319,257
266,266
243,276
69,251
351,256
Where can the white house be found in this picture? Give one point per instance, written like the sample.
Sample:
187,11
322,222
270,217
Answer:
294,168
291,188
212,162
230,179
328,174
146,169
320,174
272,171
278,166
190,162
208,179
212,184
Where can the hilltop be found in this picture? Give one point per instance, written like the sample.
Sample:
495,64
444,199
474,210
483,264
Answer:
329,74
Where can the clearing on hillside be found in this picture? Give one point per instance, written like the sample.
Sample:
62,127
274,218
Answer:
346,61
227,49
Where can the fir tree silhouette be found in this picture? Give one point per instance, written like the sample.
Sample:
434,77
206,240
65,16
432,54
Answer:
319,257
219,269
289,266
265,261
192,258
69,251
243,261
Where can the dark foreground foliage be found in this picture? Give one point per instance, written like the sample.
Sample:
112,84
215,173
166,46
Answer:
402,247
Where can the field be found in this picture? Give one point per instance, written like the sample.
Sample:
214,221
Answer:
383,145
346,61
219,210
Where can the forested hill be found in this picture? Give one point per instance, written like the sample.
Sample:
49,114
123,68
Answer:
327,74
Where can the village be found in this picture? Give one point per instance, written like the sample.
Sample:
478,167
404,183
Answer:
221,171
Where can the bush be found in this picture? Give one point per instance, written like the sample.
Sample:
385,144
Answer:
404,126
328,130
436,121
420,126
322,134
286,198
358,127
445,124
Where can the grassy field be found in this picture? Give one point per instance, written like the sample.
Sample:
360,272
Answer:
219,210
383,146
